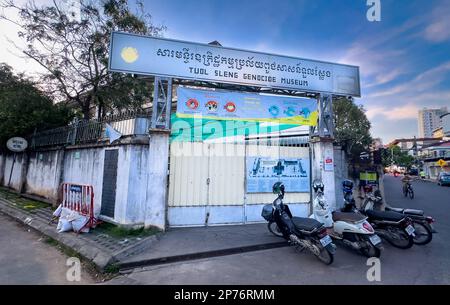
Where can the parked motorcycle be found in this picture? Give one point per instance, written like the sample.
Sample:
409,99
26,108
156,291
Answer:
423,225
350,228
396,228
302,233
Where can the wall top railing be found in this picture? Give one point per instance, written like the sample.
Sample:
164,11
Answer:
134,122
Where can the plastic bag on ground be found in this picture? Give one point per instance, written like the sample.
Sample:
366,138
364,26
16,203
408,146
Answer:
57,212
79,223
64,225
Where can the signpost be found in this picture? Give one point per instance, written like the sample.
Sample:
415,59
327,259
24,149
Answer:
130,53
441,163
15,144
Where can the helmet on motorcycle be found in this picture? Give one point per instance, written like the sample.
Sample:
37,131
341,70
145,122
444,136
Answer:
318,185
278,188
347,185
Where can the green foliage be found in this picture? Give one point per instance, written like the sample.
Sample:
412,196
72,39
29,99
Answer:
73,49
352,128
121,232
23,107
394,155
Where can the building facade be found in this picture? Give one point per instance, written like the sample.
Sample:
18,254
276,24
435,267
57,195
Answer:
429,120
446,125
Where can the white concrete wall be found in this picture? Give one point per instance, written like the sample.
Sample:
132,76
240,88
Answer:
320,150
43,174
48,169
85,166
16,177
157,169
132,190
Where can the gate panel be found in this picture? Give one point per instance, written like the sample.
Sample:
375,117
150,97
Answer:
188,175
226,173
207,183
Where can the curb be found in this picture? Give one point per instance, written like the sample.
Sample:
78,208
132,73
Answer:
129,266
87,249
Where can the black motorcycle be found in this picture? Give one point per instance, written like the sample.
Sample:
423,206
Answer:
422,224
396,228
302,233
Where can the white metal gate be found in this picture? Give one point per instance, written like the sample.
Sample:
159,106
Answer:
207,182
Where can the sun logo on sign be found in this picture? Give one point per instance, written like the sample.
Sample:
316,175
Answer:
129,54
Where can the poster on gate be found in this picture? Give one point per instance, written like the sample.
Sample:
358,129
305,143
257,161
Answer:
264,172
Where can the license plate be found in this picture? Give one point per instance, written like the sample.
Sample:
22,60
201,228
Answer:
325,240
375,239
410,230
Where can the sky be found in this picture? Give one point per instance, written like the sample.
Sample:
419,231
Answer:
404,58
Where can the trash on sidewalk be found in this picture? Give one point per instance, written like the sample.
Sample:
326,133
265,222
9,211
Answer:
76,212
70,220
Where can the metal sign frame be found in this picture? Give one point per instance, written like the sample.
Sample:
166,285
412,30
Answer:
117,65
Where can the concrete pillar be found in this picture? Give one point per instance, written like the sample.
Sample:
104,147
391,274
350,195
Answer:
323,168
156,193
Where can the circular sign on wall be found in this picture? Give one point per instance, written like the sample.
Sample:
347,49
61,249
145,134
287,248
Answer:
17,144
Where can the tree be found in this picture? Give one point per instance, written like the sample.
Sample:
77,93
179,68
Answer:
352,128
72,47
394,155
23,107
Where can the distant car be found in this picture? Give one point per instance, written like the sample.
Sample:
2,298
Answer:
413,172
444,178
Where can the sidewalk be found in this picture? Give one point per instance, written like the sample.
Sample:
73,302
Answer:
177,244
95,246
181,244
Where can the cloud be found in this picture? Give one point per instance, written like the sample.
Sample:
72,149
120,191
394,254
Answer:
425,81
408,111
438,29
381,79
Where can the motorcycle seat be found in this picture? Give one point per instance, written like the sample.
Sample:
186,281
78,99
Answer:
348,217
305,224
413,212
405,211
385,215
398,210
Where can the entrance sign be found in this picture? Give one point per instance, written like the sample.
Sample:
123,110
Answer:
226,105
262,173
130,53
17,144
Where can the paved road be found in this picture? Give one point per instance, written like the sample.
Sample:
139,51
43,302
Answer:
428,264
26,259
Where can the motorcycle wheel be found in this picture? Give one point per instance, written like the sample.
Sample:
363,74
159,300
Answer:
423,233
273,228
402,240
411,194
325,257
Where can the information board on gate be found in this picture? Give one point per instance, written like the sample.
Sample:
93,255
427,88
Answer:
264,172
226,105
130,53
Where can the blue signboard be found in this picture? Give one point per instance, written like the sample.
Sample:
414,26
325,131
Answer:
263,173
226,105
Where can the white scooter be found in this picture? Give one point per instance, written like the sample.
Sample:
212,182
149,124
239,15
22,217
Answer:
350,228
